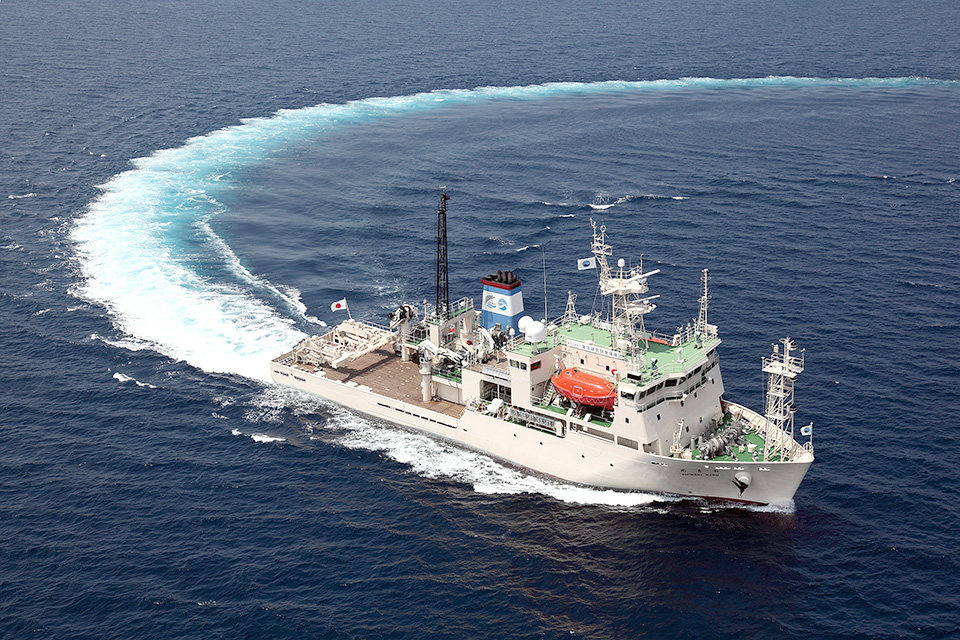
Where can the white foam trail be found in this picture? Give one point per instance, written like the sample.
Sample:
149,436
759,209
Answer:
163,302
290,295
16,197
295,298
788,507
271,403
125,378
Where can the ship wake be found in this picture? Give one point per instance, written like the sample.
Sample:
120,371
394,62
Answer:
147,251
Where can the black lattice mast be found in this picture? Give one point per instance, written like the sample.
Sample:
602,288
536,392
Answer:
443,276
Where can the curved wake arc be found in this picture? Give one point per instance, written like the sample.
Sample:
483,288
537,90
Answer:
145,248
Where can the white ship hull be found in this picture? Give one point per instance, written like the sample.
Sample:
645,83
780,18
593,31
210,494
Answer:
577,457
592,399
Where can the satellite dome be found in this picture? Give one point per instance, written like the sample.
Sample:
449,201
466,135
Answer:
535,331
523,323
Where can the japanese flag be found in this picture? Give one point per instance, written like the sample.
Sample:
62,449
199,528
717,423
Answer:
339,305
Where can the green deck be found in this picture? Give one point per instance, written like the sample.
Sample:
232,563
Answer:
667,356
746,456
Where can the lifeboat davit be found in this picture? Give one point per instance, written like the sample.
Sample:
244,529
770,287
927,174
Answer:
585,388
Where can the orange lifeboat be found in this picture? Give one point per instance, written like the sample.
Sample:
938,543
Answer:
585,388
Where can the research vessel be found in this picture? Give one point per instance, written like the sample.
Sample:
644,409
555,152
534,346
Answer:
593,399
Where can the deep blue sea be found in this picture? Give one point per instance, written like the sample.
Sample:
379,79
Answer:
185,187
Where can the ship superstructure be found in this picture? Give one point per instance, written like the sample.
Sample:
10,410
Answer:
595,399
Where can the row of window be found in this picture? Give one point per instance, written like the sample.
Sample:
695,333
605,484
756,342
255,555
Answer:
516,364
702,369
675,396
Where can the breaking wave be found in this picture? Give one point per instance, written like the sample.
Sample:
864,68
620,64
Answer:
121,378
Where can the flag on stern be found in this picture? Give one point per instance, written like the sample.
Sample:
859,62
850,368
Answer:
339,305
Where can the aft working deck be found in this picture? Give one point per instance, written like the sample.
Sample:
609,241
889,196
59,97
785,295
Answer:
383,373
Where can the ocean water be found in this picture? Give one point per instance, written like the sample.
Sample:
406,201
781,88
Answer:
185,187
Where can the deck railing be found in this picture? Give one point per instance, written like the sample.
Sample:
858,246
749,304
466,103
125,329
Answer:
772,435
495,372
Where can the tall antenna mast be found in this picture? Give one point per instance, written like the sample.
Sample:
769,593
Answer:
443,275
782,370
704,299
570,315
624,287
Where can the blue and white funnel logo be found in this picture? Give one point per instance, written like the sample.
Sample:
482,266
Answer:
587,263
504,305
494,302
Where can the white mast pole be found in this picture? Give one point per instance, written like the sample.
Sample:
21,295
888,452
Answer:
543,257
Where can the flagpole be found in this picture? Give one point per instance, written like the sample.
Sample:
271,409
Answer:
347,305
